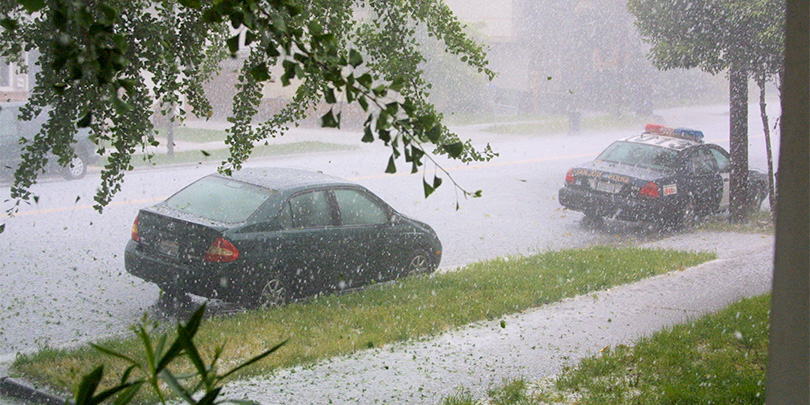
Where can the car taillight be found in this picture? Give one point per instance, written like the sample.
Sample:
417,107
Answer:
221,251
135,236
649,190
569,177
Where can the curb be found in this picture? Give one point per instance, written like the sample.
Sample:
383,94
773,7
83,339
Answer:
14,389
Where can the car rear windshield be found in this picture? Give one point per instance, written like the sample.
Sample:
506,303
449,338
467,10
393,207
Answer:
220,199
637,154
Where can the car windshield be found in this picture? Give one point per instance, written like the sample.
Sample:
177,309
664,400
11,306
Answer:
637,154
220,199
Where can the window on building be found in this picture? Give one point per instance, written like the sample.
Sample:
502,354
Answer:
5,73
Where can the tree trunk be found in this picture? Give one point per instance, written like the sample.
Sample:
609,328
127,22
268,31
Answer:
738,142
769,153
788,370
170,134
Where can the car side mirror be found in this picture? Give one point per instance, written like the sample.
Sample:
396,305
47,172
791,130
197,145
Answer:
394,218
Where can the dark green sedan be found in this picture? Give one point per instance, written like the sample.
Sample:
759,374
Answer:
266,236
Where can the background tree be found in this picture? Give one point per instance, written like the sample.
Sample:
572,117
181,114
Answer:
104,64
742,37
587,55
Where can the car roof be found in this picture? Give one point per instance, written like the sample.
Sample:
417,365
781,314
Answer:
285,179
669,142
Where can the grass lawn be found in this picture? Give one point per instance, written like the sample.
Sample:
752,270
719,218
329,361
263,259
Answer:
718,359
411,308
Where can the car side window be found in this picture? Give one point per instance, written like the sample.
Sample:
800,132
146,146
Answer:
358,209
723,163
308,210
702,162
285,219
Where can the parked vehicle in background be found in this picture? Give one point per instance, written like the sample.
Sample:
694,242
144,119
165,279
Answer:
665,175
12,130
266,236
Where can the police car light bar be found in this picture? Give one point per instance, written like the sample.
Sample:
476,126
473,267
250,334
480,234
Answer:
683,133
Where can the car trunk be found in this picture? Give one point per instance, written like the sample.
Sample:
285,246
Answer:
176,237
613,178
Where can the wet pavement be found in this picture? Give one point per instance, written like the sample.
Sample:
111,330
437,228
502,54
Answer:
534,344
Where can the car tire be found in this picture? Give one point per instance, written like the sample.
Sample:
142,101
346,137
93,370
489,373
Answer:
687,215
419,263
273,294
173,299
76,169
592,220
756,196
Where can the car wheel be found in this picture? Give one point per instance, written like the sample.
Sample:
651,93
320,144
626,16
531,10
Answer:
273,294
757,196
420,263
593,220
687,215
173,299
76,169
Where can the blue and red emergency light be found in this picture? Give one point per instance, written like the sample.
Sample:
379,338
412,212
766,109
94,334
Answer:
683,133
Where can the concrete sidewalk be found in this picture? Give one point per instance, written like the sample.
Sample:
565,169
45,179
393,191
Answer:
534,344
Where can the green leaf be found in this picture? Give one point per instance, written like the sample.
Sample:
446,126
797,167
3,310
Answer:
210,397
363,103
186,340
392,167
175,386
33,5
398,83
434,133
329,120
428,188
113,353
254,359
205,153
109,393
191,3
355,59
315,28
9,24
88,385
437,181
368,136
365,80
128,395
454,149
260,73
233,44
2,228
85,121
329,96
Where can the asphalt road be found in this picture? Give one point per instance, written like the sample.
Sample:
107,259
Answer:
62,265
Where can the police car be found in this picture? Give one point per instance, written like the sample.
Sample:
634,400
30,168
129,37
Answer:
665,175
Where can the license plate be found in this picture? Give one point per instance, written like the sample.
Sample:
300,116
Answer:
608,187
168,248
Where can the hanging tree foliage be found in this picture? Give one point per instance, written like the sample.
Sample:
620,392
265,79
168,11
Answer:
105,63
